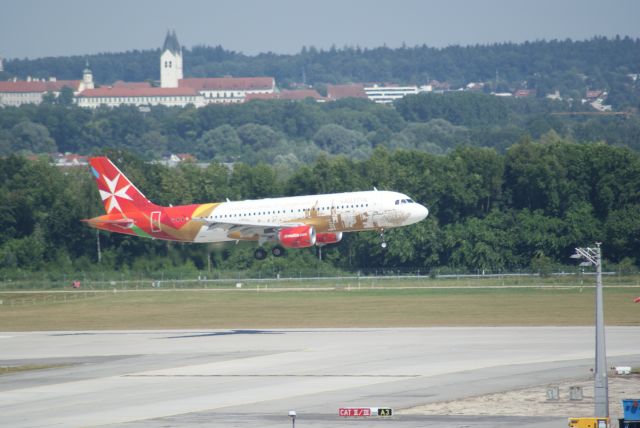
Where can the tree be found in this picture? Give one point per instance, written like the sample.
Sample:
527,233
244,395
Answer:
221,143
337,139
65,97
32,138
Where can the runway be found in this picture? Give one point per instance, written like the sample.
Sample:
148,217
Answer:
252,378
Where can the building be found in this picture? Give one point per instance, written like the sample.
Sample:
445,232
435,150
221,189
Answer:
31,91
475,86
390,93
68,160
113,96
593,95
525,93
226,90
174,90
555,96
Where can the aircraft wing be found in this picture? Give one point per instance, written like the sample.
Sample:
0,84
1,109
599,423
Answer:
242,229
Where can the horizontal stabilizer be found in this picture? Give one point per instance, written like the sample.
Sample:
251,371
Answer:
125,223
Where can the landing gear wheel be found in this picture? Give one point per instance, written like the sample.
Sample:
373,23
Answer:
260,254
277,251
384,243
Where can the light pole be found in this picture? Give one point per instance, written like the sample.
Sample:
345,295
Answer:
593,256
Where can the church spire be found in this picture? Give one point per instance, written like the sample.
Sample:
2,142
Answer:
171,43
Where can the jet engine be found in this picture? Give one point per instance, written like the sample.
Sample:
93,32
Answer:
328,238
297,237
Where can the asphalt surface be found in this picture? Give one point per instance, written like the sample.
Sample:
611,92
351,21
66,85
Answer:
252,378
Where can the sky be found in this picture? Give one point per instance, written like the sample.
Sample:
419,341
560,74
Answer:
41,28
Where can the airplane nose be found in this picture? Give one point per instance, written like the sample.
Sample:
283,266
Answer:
418,213
421,212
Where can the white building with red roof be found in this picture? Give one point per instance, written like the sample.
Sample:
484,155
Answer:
225,90
113,96
31,91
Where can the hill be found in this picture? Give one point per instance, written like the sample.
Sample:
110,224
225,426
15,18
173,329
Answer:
546,66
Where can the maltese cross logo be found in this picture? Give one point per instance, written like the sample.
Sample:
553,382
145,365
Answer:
114,194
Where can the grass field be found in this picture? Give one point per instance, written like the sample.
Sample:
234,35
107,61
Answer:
346,306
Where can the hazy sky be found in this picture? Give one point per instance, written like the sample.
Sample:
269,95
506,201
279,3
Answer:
37,28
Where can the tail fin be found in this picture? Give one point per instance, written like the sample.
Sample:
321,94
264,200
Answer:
117,192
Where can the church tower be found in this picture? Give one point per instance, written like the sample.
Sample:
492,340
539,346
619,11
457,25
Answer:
171,61
87,77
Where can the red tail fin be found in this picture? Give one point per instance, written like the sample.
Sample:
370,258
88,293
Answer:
117,192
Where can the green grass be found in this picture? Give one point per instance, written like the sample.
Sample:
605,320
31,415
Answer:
155,309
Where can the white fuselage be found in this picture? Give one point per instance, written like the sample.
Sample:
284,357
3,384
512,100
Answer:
337,212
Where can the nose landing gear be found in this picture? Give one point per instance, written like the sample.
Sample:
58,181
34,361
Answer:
383,244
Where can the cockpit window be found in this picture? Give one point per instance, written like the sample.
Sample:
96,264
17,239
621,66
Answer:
410,201
397,201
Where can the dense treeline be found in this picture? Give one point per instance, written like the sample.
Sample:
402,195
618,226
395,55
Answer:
565,65
527,208
289,134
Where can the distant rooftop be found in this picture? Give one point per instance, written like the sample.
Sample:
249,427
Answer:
38,86
228,83
125,91
355,90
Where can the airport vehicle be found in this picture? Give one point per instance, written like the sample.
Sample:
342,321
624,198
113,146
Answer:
290,222
589,423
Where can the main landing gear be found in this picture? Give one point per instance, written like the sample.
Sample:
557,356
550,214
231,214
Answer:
261,254
277,251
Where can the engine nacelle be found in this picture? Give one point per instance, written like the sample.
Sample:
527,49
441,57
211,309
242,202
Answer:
297,237
328,238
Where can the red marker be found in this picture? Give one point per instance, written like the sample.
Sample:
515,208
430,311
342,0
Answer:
636,300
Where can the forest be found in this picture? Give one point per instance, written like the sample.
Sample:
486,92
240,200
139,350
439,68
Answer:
524,209
290,134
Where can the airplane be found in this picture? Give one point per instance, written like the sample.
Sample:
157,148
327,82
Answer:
290,222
